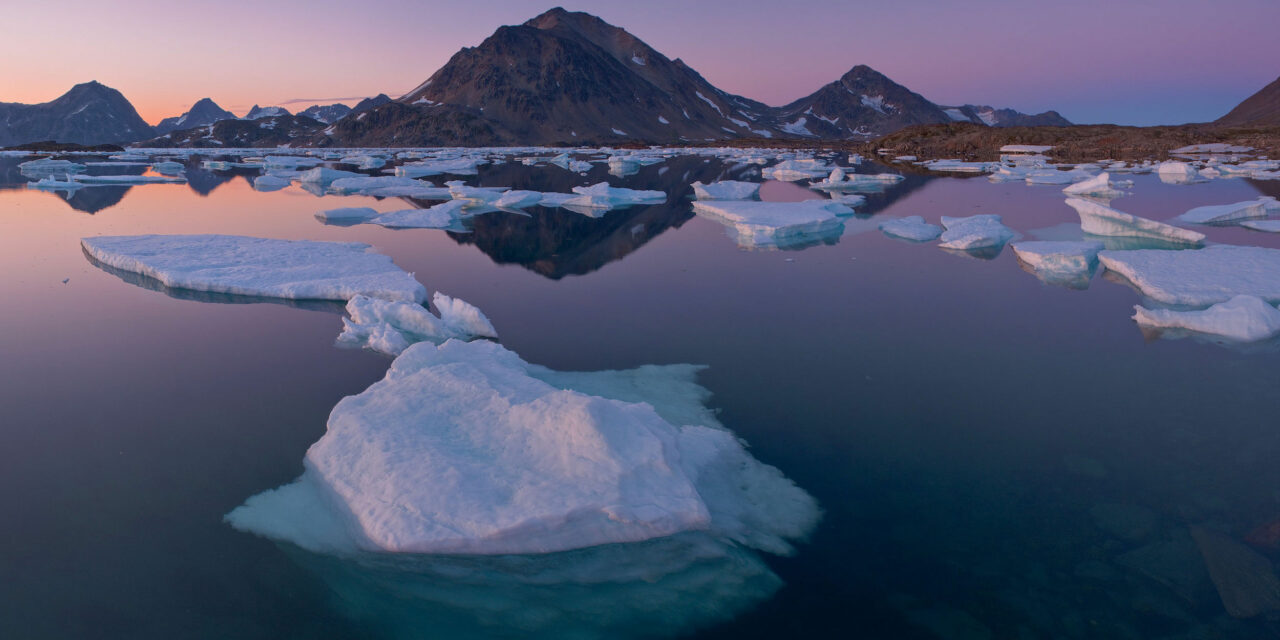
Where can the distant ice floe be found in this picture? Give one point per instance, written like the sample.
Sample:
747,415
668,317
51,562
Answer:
128,179
1099,186
766,225
984,231
347,215
838,180
603,196
726,190
464,448
912,228
1175,172
441,216
269,183
390,326
264,267
1025,148
325,175
1270,226
1063,263
1199,278
1243,318
797,169
1247,210
46,167
1101,220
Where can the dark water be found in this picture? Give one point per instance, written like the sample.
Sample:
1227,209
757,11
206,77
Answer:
996,457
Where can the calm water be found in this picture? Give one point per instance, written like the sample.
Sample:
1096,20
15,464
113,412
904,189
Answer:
996,457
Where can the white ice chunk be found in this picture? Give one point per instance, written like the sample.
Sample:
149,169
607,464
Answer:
390,326
269,183
772,224
239,265
982,231
1226,212
726,190
1101,220
1243,318
1199,278
1270,226
1174,172
1025,148
324,175
517,199
464,448
603,196
1098,186
128,179
348,214
1070,263
911,228
440,216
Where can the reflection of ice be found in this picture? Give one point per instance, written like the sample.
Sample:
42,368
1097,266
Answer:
660,588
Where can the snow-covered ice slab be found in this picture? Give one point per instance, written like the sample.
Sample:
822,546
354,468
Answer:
1174,172
776,224
1199,278
912,228
264,267
1270,226
269,183
127,179
1101,220
390,326
982,231
726,190
1227,212
603,196
347,215
441,216
464,448
325,175
1212,147
1064,263
356,183
1098,186
1025,148
1243,318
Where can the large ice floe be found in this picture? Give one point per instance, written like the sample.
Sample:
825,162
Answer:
262,267
1063,263
1243,318
912,228
726,190
1099,186
390,326
767,225
1213,214
983,231
1101,220
1201,277
442,216
464,448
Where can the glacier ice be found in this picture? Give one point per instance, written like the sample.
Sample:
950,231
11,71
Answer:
726,190
265,267
1201,277
390,326
464,448
983,231
776,224
1243,318
912,228
1101,220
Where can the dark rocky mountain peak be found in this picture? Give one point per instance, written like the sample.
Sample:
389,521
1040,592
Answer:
90,113
203,113
1261,108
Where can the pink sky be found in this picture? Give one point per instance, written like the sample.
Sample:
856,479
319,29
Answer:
1140,62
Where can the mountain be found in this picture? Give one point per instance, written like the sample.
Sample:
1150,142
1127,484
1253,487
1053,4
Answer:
1261,108
369,103
264,131
862,103
265,112
561,77
327,114
993,117
90,113
204,112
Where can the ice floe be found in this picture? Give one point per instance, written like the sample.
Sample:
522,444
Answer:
1243,318
1101,220
776,224
1199,278
912,228
983,231
325,175
390,326
1228,212
347,215
263,267
726,190
1099,186
464,448
1064,263
1174,172
1270,226
441,216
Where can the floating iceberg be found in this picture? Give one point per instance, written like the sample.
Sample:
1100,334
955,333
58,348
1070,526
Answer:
839,180
455,166
1098,186
441,216
49,183
797,169
726,190
169,168
127,179
970,233
776,224
1270,226
1063,263
1199,278
347,215
517,199
269,183
1100,220
603,196
1243,318
475,195
390,326
464,448
1025,148
325,175
45,167
1227,212
912,228
239,265
1174,172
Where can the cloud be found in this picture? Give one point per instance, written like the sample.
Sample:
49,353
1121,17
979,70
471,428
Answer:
321,100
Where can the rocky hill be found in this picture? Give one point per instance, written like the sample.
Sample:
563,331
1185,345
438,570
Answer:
90,113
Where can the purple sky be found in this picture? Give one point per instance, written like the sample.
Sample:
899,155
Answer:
1137,62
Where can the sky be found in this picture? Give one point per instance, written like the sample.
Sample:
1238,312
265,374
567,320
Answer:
1138,62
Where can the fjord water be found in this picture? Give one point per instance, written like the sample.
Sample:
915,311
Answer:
995,457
